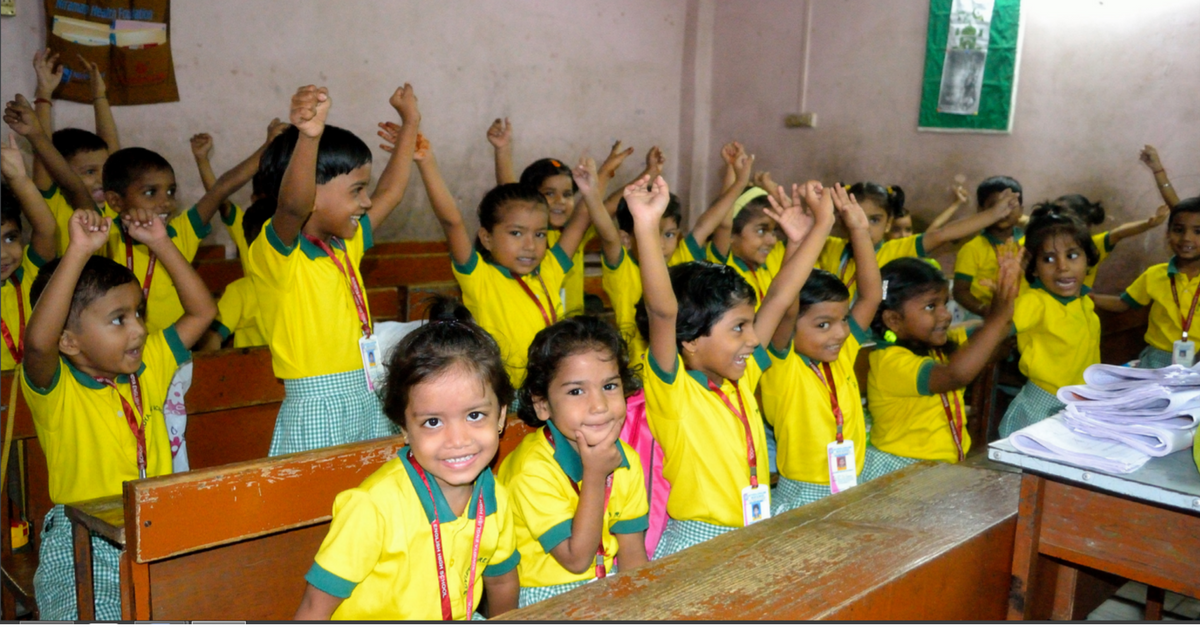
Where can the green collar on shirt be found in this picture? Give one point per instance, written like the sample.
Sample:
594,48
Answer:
1017,235
568,459
741,264
760,356
314,251
87,381
485,484
1037,284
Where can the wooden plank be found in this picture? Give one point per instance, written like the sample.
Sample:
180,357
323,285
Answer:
228,436
394,271
416,297
84,589
104,516
876,551
1025,550
385,304
218,274
1122,335
210,252
396,248
235,377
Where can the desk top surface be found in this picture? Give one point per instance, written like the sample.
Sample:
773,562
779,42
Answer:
1170,481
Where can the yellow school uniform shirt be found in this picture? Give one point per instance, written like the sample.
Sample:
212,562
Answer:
1153,289
234,224
1058,337
796,403
837,257
907,419
21,280
688,251
572,286
62,211
538,478
1104,247
758,278
89,447
237,315
977,259
704,443
379,554
306,310
501,307
163,307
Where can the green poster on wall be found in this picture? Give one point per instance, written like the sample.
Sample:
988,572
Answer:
972,50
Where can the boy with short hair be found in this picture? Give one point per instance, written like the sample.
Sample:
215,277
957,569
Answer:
96,381
977,259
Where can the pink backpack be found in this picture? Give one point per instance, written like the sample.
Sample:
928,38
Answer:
636,433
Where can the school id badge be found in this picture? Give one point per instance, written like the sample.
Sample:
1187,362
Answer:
756,503
1183,353
368,347
843,470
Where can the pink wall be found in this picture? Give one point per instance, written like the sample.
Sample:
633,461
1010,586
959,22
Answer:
1098,79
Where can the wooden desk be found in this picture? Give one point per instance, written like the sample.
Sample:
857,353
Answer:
1144,526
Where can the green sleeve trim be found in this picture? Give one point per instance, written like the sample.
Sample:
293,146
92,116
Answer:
763,359
921,253
49,192
632,526
1108,244
693,246
182,354
965,277
468,268
34,259
723,258
495,570
277,243
860,335
201,228
563,259
555,535
368,232
231,217
620,260
221,330
49,388
328,582
923,375
1128,299
663,375
778,353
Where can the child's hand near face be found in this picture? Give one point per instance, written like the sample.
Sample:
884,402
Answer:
853,216
616,157
49,73
310,107
789,214
275,128
500,133
647,205
586,177
405,102
12,163
20,117
818,199
1160,216
151,232
202,145
1008,279
600,456
88,231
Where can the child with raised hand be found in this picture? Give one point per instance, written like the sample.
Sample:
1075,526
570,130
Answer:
95,379
902,223
921,366
19,265
577,489
1058,332
312,302
507,279
1149,157
976,264
447,391
705,361
810,395
1092,213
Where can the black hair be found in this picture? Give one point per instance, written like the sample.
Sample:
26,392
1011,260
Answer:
625,218
753,210
1050,219
493,203
10,208
705,291
1191,204
1091,213
125,166
72,141
567,338
822,286
905,279
99,276
544,169
993,185
890,198
450,338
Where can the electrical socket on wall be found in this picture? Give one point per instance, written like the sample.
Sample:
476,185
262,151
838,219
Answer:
806,120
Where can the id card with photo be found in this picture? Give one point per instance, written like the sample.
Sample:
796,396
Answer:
368,347
843,470
756,503
1183,353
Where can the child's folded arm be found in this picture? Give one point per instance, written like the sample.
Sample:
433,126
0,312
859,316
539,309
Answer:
33,205
199,309
1006,203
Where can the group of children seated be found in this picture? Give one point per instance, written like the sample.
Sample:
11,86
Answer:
758,302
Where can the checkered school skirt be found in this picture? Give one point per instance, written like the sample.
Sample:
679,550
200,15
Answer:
679,535
877,463
321,411
1032,405
789,494
54,582
1152,358
534,594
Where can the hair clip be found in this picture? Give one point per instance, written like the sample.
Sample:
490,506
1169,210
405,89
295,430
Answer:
890,191
885,285
556,163
889,337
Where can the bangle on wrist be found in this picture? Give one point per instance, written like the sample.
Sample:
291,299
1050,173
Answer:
39,100
1160,171
97,98
1165,185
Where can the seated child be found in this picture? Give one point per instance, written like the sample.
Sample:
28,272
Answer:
383,558
577,490
902,222
19,265
1058,333
918,373
96,380
976,260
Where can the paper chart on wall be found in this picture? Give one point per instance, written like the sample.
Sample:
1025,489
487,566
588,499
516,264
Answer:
966,56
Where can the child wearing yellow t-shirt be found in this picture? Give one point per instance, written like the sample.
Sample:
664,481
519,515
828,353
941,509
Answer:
705,361
920,366
312,302
1091,213
410,542
19,265
1058,332
810,396
976,264
577,490
96,379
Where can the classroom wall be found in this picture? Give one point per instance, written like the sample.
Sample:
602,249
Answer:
1098,79
571,75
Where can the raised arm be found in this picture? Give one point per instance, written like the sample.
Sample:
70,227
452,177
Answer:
608,169
444,206
1133,228
710,222
202,144
33,205
199,309
1110,303
587,179
806,236
394,180
298,190
1003,205
965,299
655,161
500,137
21,118
647,207
49,76
729,154
866,274
106,125
1149,157
233,179
960,197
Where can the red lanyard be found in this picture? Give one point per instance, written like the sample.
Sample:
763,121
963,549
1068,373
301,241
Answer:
1187,320
553,316
480,517
827,380
138,430
751,455
844,267
149,266
16,348
600,570
356,292
955,418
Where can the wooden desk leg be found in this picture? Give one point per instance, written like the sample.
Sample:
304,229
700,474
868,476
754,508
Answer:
139,584
1154,603
126,586
84,597
1025,547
